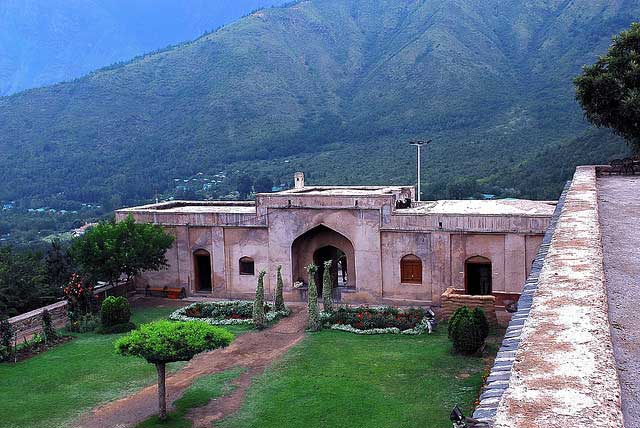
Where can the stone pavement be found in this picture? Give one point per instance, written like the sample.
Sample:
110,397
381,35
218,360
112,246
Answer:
619,203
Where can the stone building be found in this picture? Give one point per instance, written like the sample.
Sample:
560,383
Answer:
386,247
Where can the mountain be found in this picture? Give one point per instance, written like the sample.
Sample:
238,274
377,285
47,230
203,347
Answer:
44,42
331,87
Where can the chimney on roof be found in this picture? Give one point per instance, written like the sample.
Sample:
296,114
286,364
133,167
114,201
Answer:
298,180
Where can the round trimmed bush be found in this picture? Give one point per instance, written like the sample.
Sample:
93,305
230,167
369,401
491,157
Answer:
115,314
468,330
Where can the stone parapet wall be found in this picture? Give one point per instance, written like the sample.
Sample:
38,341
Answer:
28,324
556,367
451,300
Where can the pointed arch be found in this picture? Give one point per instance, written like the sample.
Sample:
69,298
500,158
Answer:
319,244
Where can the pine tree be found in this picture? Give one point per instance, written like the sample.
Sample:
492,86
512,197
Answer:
258,305
279,303
327,287
314,315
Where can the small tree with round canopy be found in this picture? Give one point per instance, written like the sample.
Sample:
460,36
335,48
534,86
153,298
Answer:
165,342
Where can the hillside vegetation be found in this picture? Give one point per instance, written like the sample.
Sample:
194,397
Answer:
334,88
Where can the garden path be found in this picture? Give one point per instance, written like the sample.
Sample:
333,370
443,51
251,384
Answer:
254,351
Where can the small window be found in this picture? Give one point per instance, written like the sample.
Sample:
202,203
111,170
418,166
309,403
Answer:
247,266
411,269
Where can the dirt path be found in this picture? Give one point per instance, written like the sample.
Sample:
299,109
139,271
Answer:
254,351
619,204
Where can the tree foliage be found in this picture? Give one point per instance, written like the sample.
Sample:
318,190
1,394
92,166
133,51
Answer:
609,90
312,300
112,249
23,282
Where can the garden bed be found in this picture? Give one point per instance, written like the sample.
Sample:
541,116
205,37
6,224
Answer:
237,312
31,347
379,320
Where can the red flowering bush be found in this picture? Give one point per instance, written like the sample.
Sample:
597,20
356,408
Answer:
81,304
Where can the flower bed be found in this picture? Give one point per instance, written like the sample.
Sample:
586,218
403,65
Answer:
236,312
379,320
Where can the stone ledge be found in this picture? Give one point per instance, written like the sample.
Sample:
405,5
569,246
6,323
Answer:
564,372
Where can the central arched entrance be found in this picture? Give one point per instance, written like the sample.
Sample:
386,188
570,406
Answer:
319,245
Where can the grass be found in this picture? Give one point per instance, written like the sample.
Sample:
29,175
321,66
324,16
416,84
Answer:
199,394
53,388
341,379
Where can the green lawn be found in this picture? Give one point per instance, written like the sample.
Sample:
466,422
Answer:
49,390
338,379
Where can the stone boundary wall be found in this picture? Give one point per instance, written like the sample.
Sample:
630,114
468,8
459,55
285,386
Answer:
452,300
30,323
556,366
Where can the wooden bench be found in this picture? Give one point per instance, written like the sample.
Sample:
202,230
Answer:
170,292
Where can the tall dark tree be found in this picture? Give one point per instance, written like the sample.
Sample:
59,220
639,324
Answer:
244,186
609,90
263,184
59,267
22,281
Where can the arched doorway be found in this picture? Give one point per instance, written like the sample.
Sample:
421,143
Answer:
478,276
202,269
319,245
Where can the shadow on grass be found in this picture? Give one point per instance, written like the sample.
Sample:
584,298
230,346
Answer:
199,394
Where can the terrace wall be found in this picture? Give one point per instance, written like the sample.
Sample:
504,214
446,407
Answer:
556,366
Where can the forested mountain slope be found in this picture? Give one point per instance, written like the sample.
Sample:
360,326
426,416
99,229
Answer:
48,41
332,87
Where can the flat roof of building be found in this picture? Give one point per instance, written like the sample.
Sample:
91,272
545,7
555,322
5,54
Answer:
482,207
198,207
343,190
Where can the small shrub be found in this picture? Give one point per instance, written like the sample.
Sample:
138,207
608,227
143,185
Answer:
48,332
82,323
259,320
115,311
467,331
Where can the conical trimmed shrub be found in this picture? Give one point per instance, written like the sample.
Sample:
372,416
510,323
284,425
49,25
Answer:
312,300
259,319
327,287
483,323
279,302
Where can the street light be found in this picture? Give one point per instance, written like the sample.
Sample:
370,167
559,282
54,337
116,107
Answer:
419,145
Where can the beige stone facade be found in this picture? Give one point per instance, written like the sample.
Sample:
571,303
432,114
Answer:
390,251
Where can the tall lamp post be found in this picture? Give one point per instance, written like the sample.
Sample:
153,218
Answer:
419,145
